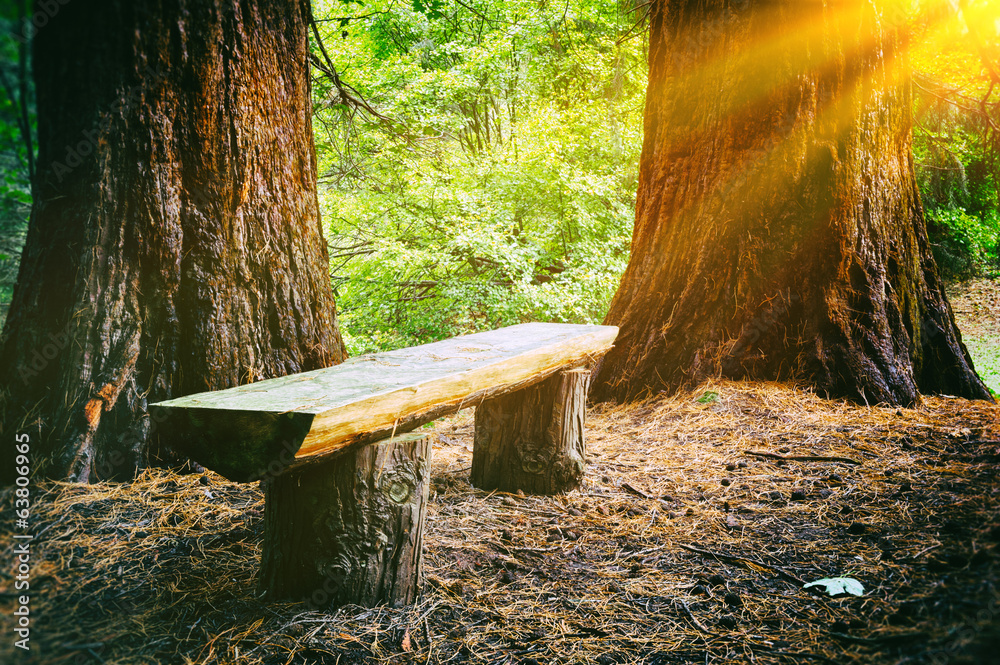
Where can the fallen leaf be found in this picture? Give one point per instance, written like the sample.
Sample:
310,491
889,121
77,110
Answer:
838,586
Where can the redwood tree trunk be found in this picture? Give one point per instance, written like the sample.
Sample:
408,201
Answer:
779,232
175,245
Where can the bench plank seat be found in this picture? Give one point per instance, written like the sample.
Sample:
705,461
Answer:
263,428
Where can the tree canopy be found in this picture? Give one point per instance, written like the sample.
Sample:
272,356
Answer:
496,182
441,229
478,160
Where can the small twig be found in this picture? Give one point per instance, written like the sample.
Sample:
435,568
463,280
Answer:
924,551
743,561
638,492
802,458
56,523
880,639
697,624
800,654
430,644
646,9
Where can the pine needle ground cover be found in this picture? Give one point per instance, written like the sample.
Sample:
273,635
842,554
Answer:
701,518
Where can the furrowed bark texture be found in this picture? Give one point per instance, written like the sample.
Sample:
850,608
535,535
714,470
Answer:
349,530
175,245
533,439
779,233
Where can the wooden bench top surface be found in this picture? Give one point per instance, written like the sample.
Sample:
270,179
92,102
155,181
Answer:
294,419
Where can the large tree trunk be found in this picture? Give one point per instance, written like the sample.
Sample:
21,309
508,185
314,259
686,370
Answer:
175,245
779,232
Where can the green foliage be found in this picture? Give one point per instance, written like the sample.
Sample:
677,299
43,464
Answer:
952,160
15,188
502,190
708,397
985,353
955,144
964,245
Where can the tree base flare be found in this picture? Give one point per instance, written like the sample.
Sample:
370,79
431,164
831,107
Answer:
779,234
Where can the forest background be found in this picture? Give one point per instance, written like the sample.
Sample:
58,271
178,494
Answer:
478,159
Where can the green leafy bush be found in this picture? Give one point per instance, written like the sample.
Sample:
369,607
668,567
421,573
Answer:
964,245
503,188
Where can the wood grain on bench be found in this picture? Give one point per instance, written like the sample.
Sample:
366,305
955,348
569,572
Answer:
247,432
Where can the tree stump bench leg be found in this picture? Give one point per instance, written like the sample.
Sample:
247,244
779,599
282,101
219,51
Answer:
349,530
532,439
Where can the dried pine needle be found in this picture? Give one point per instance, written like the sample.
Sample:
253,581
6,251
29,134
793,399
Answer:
163,569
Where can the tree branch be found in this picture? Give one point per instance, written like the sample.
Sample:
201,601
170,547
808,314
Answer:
355,100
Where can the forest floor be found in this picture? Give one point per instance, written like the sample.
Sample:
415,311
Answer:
689,542
976,304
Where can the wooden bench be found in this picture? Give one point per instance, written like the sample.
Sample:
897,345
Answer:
346,487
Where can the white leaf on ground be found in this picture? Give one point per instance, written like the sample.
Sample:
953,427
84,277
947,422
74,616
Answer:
837,586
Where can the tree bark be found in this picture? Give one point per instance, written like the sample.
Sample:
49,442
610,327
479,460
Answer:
533,439
349,530
779,232
175,244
